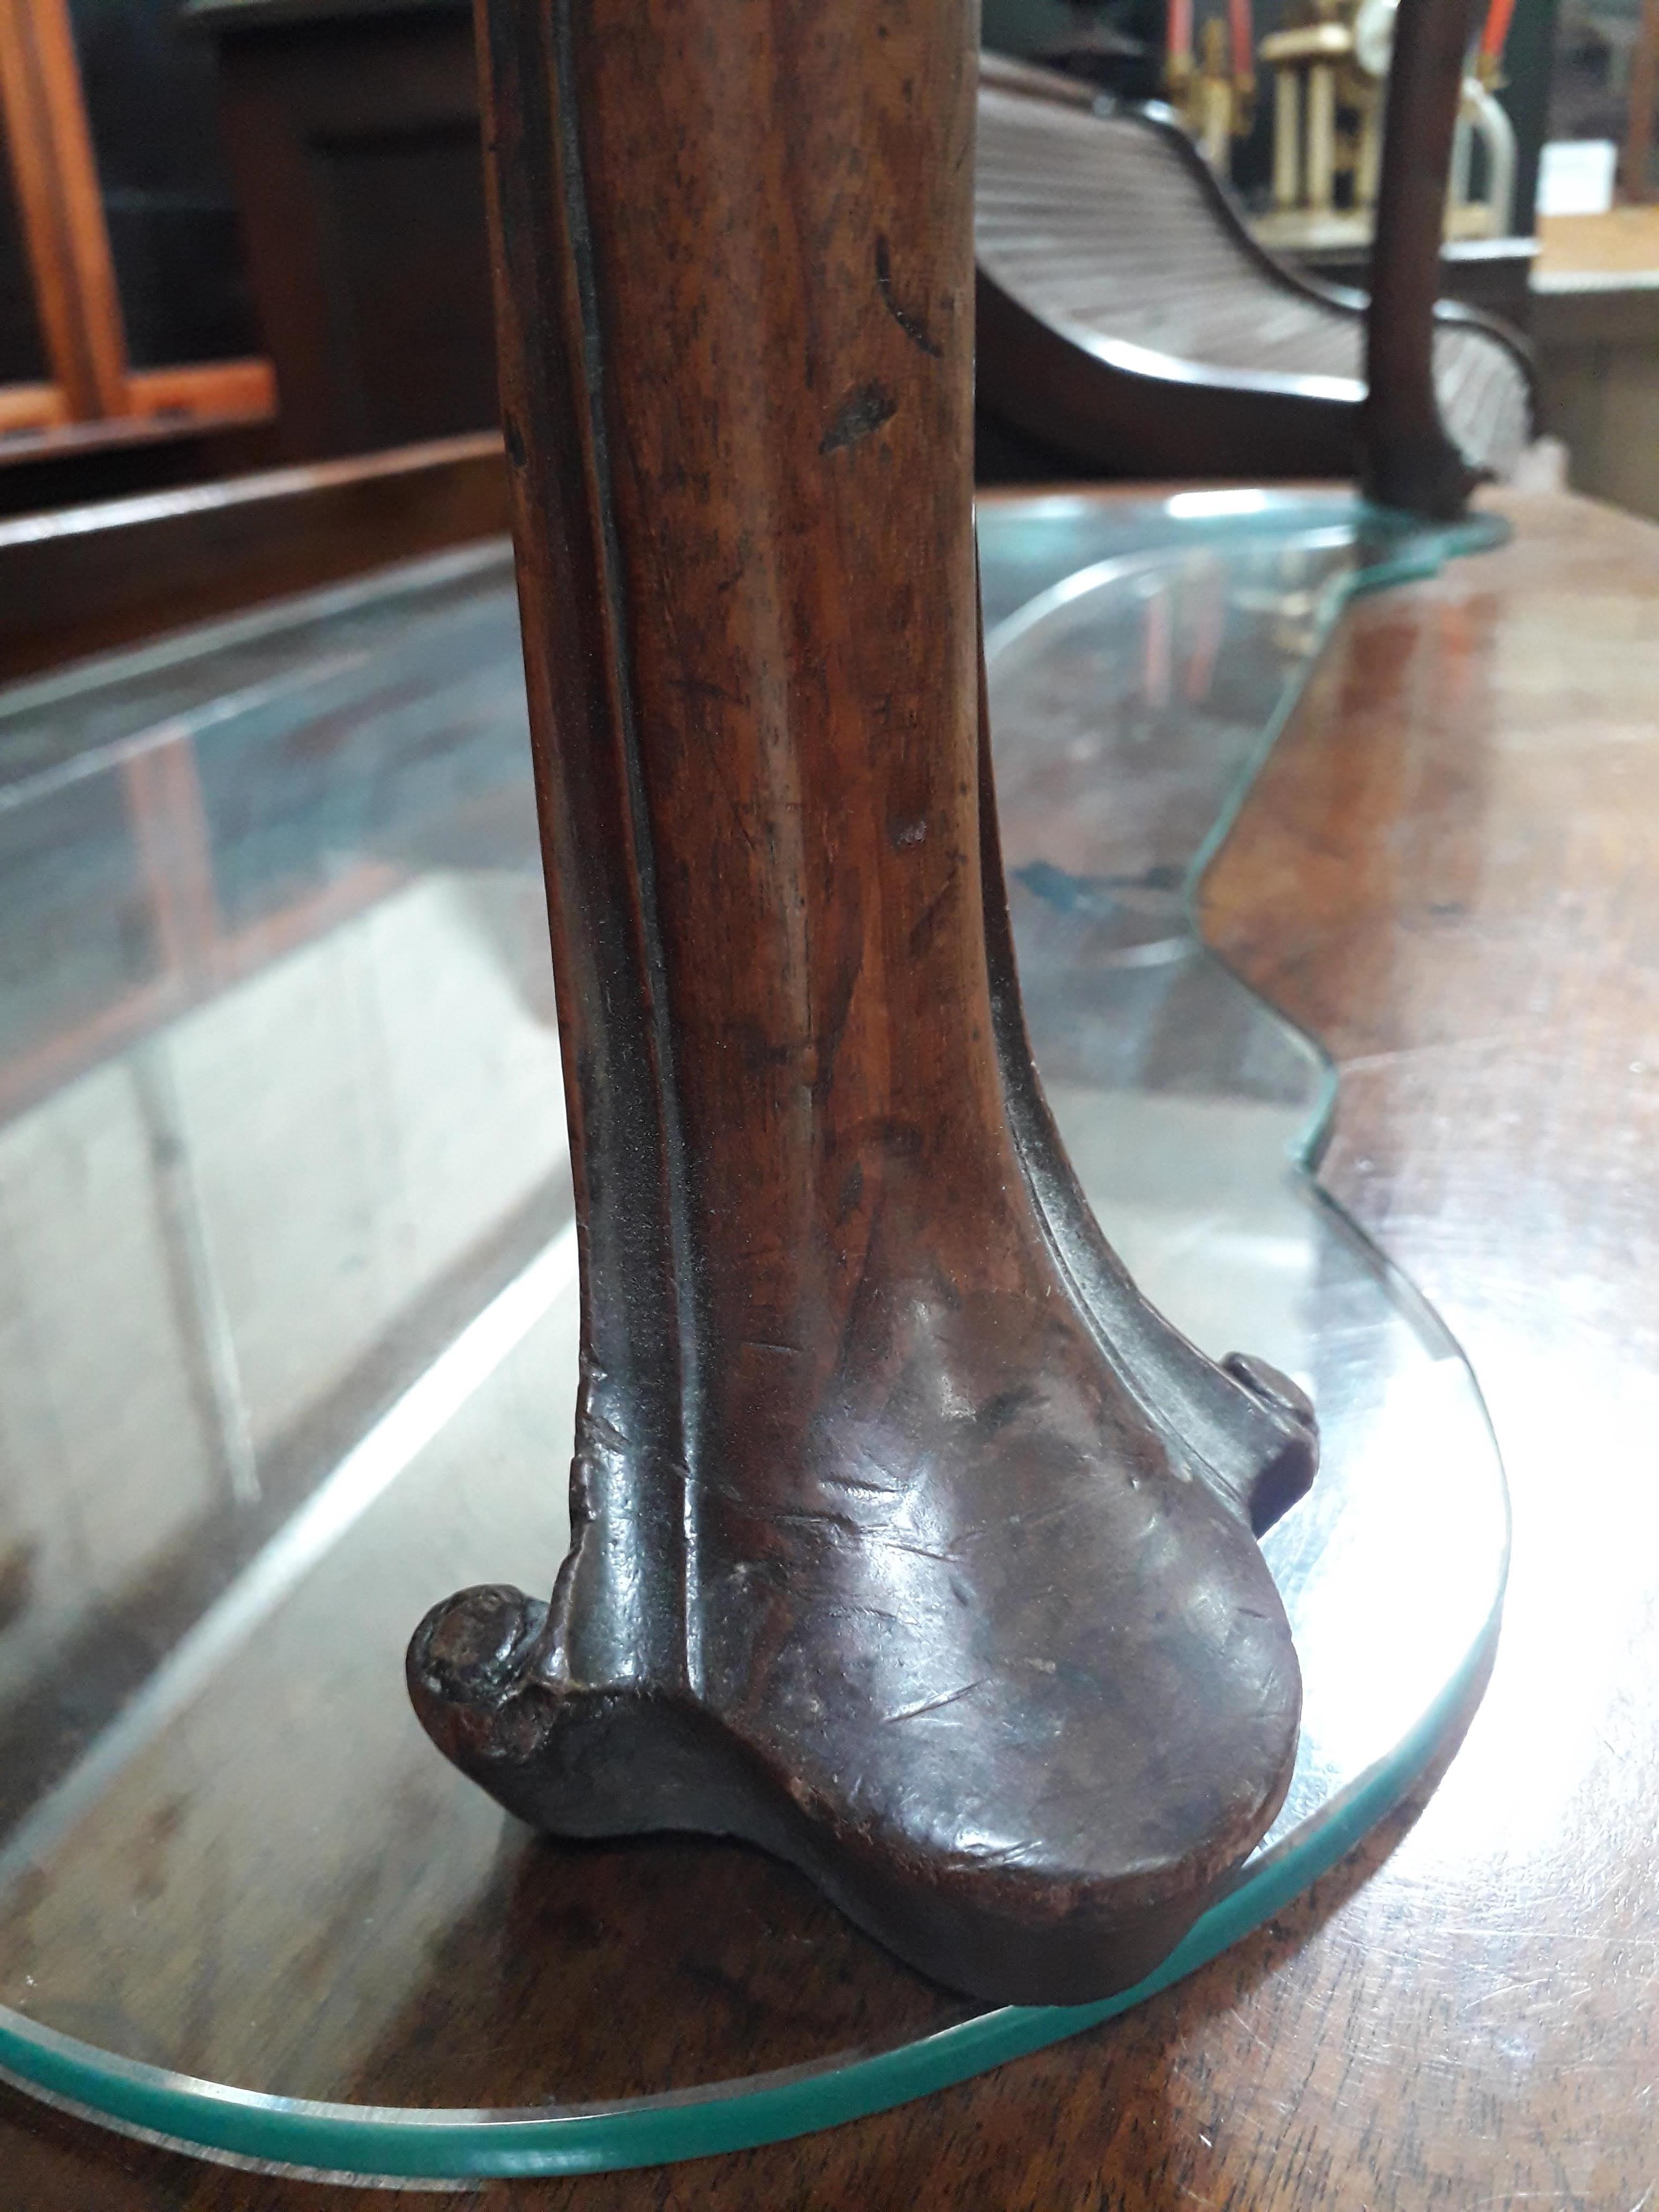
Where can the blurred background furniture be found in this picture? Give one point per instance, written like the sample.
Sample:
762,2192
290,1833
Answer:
1128,319
1637,166
1270,57
294,183
119,297
1597,333
1595,285
352,131
81,579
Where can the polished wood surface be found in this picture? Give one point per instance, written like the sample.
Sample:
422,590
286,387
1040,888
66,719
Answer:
79,579
1450,872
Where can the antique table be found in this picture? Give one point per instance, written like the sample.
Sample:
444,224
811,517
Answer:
1445,872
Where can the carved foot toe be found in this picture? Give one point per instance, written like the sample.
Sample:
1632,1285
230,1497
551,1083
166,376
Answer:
1287,1474
1020,1706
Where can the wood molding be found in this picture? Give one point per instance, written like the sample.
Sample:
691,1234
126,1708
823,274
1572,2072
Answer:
219,391
36,424
81,578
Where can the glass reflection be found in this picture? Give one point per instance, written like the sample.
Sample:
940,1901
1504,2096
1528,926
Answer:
288,1325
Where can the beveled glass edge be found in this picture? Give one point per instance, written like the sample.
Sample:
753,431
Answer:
393,2146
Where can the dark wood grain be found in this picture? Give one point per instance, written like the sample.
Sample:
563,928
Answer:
1450,872
907,1542
1416,454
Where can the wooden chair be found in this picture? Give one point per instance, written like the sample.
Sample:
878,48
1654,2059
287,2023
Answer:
1129,321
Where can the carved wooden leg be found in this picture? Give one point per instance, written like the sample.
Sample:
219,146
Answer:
1409,460
909,1542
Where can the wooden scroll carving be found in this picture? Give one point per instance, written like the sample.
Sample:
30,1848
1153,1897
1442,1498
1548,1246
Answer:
909,1542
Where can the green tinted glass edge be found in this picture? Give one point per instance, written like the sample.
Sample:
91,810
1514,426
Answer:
366,2142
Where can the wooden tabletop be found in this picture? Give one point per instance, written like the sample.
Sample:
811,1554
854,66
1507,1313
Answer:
1450,872
1623,242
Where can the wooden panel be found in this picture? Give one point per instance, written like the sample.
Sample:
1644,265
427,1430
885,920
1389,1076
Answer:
1598,377
81,579
1624,241
161,405
405,211
355,151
